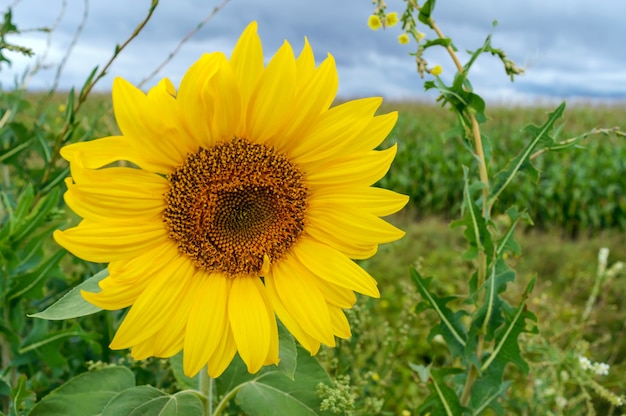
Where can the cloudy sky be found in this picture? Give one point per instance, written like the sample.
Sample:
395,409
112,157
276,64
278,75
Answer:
570,48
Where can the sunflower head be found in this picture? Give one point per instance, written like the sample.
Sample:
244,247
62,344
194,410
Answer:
248,199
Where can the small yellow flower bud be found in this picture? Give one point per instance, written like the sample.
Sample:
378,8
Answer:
375,376
403,39
420,35
436,71
374,22
392,19
62,108
405,413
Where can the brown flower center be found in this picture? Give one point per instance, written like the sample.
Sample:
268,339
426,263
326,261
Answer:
232,205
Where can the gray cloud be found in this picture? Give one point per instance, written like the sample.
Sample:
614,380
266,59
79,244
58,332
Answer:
571,48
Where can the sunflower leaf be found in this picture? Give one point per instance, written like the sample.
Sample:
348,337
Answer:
183,381
264,395
72,304
86,394
147,400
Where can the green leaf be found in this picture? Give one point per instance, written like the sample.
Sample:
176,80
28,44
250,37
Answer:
540,139
298,397
237,374
442,399
86,394
450,326
20,396
72,304
476,232
272,388
148,401
287,352
184,381
423,372
506,348
24,284
489,385
426,11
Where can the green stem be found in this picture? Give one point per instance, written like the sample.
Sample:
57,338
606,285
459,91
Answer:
222,405
205,385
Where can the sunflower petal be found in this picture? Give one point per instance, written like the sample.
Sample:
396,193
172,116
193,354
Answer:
295,286
376,201
153,308
249,316
104,242
307,341
329,264
247,63
207,320
272,97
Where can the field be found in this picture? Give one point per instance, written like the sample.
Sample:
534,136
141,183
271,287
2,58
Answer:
578,207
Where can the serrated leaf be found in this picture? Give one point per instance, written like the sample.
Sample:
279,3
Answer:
86,394
442,399
72,304
506,349
476,232
450,326
540,138
148,401
485,396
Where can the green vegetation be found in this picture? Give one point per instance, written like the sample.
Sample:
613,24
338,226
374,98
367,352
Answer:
371,370
580,190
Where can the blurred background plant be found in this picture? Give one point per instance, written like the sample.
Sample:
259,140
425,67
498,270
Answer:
578,207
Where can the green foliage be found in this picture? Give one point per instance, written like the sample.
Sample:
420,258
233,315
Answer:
581,190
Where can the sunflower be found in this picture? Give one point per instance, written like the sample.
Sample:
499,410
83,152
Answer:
241,198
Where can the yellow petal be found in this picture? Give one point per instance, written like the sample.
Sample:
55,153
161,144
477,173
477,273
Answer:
336,295
360,169
222,357
313,97
353,226
192,98
272,97
223,102
250,320
305,63
341,327
295,286
105,242
335,130
329,264
154,132
375,132
101,152
153,308
247,63
132,200
207,320
306,340
376,201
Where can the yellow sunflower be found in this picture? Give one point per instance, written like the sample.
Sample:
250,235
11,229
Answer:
243,197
